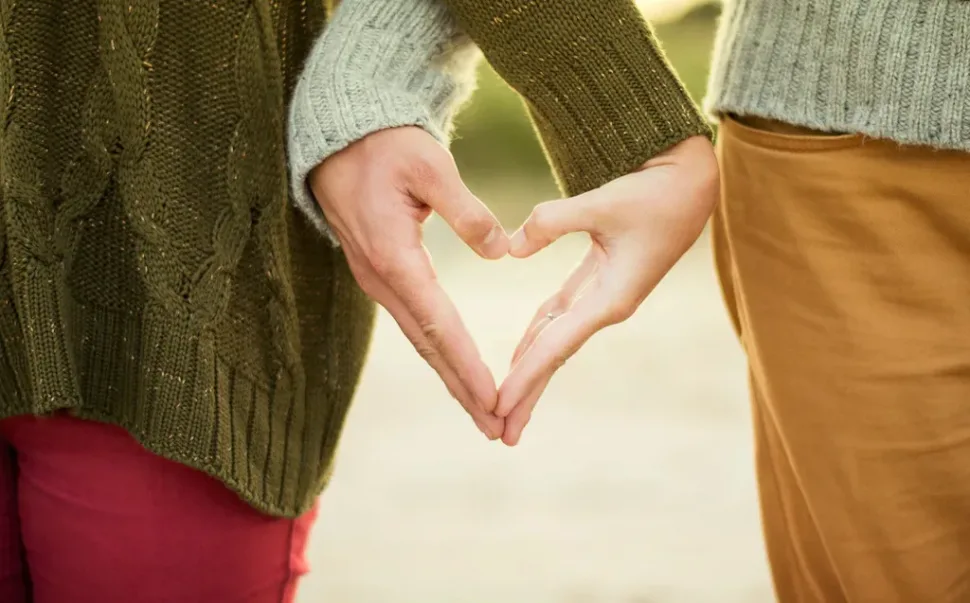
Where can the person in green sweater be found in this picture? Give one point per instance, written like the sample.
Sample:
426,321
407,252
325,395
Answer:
179,341
843,248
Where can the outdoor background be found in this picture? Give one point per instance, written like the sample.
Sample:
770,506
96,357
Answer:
634,482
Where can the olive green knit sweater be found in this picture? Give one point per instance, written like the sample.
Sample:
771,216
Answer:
153,273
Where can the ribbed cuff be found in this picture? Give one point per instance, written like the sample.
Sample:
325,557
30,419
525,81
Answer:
380,64
600,91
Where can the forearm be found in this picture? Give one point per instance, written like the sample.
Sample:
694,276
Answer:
601,94
380,64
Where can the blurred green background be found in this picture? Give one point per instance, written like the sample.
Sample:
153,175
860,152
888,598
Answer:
496,148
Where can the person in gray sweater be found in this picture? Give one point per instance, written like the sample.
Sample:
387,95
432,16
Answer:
842,243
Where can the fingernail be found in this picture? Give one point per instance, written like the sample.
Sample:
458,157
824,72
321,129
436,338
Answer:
491,434
496,243
492,234
502,406
518,242
484,429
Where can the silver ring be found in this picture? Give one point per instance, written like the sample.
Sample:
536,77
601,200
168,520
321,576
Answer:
551,316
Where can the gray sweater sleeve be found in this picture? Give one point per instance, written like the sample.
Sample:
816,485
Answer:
379,64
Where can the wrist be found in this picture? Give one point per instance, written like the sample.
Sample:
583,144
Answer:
380,64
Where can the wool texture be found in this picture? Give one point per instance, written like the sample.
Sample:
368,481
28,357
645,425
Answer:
885,68
154,270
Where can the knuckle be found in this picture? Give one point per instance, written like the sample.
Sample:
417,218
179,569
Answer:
368,286
432,333
618,311
559,360
384,261
474,225
363,276
425,172
540,220
381,264
559,302
427,352
425,349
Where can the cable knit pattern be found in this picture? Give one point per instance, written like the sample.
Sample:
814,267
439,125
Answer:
896,69
10,330
154,273
380,64
6,98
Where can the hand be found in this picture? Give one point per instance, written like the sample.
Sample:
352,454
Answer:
640,225
376,194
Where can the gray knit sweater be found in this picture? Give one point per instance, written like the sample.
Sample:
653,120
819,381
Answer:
379,64
897,69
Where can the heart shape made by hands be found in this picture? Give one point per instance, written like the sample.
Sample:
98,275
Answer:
377,193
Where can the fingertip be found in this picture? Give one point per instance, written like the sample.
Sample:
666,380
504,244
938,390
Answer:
513,432
503,407
485,392
496,244
519,246
488,404
489,431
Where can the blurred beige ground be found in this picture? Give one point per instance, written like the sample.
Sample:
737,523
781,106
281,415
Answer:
633,484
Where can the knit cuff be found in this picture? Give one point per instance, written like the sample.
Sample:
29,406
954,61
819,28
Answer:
600,91
380,64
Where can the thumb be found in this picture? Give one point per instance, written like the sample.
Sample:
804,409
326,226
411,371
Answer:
442,189
551,220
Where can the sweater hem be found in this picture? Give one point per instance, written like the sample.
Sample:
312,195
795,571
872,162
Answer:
211,469
249,496
158,374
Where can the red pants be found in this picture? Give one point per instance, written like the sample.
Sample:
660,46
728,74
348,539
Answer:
88,515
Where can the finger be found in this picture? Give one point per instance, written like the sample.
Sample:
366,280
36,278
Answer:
438,184
520,416
553,219
491,426
539,322
557,343
414,283
558,303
